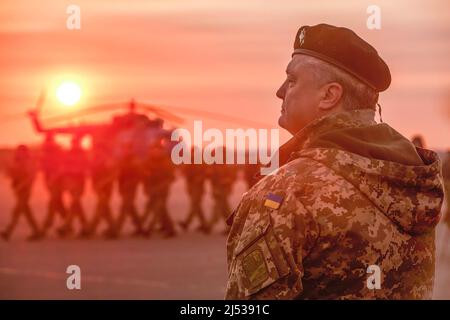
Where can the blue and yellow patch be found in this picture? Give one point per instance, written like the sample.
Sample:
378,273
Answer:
273,201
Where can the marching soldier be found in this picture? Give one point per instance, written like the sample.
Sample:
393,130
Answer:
52,167
250,174
222,177
74,170
159,172
351,195
103,173
195,175
128,181
22,173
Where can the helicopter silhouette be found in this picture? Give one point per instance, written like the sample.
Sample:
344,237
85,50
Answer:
136,123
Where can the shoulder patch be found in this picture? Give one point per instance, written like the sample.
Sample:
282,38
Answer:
273,201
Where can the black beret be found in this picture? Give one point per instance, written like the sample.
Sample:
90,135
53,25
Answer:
343,48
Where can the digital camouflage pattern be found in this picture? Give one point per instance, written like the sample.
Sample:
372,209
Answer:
341,212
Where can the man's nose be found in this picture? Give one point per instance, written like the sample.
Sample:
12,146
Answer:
281,91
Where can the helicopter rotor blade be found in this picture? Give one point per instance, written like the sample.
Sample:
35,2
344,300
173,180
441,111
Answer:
87,111
162,113
216,116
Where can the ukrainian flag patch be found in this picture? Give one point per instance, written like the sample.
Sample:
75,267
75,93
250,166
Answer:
273,201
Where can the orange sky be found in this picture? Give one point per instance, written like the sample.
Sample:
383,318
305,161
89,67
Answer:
224,56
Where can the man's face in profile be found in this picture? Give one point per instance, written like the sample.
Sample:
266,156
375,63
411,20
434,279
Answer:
300,94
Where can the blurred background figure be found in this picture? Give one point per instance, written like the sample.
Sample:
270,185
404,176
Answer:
418,141
250,173
159,173
195,175
74,177
51,163
22,173
222,177
103,174
128,180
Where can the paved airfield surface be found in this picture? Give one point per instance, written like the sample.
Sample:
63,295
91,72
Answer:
190,266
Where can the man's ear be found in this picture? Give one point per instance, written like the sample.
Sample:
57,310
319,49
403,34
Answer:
330,96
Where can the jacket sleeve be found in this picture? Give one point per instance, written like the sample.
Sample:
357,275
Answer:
268,258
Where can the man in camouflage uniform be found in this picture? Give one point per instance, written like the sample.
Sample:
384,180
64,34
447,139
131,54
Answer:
22,173
350,193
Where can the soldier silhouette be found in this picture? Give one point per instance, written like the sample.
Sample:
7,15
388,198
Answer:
74,170
52,167
22,173
159,174
128,179
195,175
103,173
222,177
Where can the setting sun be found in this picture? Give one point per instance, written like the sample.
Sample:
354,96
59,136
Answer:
68,93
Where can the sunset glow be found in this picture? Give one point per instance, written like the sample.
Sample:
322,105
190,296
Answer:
68,93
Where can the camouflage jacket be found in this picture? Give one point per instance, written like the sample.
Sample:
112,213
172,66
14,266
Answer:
353,194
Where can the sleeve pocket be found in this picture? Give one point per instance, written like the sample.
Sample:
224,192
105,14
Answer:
260,260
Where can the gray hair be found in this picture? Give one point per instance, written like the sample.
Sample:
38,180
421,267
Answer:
356,94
